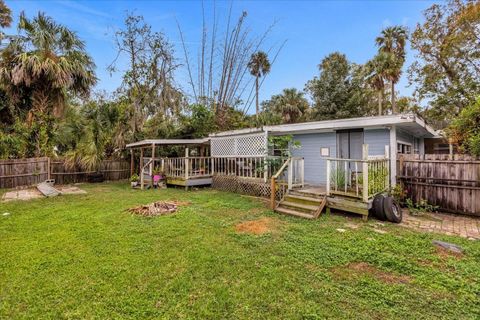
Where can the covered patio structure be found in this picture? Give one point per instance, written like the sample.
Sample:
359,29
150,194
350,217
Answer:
189,167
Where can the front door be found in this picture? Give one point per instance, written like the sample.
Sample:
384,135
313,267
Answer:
349,144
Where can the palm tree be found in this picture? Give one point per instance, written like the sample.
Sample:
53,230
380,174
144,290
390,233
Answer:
5,15
375,70
90,133
43,65
392,42
259,66
48,60
291,105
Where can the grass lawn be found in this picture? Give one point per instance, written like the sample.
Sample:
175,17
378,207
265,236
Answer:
84,256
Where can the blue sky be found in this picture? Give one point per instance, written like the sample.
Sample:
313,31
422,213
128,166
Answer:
312,29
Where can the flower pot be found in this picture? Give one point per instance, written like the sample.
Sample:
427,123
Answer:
134,184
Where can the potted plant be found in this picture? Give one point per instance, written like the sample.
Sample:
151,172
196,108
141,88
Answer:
134,180
158,177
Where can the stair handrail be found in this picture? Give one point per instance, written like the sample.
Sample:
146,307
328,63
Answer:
142,174
273,182
282,168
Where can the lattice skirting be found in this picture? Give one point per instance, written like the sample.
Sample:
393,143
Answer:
247,186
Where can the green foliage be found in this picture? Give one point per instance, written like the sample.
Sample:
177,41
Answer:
279,149
198,122
420,208
259,66
465,129
89,134
339,91
391,43
338,177
377,178
41,69
446,70
148,84
290,106
134,178
398,193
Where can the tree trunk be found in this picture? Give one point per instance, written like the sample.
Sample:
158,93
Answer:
394,106
256,102
380,98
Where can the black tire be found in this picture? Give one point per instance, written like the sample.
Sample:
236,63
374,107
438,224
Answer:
392,210
378,207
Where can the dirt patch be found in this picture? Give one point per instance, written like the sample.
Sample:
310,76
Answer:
357,269
70,190
259,226
445,253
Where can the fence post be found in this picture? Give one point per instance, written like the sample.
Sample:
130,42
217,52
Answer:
48,168
365,172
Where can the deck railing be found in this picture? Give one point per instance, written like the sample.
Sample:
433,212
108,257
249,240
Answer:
253,167
196,167
359,178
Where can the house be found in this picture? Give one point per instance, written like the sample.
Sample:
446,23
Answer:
342,138
342,164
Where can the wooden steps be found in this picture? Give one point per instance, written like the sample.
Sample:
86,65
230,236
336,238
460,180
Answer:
301,204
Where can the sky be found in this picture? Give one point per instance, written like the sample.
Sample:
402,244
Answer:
311,29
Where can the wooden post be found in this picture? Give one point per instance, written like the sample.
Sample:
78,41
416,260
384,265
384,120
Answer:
328,176
365,172
290,173
131,162
186,168
152,165
302,172
265,169
48,168
393,156
387,167
141,168
272,193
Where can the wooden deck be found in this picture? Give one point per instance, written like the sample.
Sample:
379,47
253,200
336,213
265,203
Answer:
190,182
338,202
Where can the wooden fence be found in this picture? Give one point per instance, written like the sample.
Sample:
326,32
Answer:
27,172
452,183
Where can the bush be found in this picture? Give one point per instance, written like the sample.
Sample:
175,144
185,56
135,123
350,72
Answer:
465,129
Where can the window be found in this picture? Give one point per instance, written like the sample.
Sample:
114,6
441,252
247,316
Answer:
404,148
